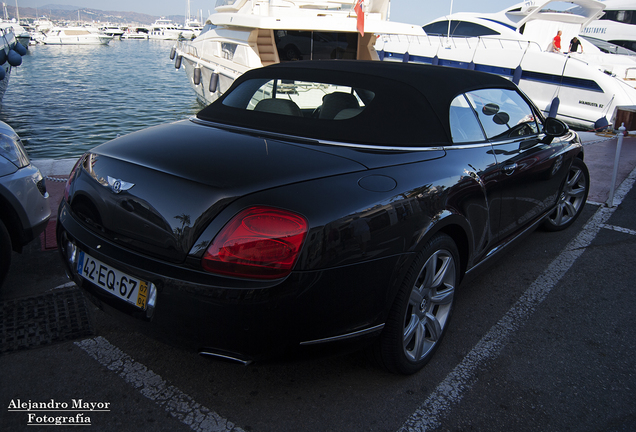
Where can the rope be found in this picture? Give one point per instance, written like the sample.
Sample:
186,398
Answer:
55,179
607,138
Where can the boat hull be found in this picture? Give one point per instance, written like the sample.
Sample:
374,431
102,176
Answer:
77,41
203,90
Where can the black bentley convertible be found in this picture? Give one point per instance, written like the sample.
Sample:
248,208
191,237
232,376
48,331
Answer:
317,204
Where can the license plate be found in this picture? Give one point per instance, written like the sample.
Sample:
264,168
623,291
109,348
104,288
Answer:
120,284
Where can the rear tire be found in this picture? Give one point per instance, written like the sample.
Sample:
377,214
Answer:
5,252
571,198
421,312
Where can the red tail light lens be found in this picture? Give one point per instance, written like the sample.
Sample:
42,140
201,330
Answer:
259,242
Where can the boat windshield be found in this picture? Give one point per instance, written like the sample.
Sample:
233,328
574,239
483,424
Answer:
224,2
234,3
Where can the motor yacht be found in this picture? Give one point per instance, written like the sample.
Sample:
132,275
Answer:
135,33
246,34
75,36
112,30
21,34
583,89
42,25
617,26
165,29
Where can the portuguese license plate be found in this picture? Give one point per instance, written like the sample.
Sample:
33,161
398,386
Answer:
120,284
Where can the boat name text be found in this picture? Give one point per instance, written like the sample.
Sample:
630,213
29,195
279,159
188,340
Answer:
592,104
595,30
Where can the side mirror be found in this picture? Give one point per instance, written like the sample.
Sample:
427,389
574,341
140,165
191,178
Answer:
555,128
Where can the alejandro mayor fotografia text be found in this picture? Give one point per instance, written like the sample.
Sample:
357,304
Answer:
72,412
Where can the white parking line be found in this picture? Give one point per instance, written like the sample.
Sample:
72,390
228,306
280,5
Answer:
619,229
155,388
450,391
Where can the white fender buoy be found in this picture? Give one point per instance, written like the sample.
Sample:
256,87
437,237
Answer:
435,60
173,52
20,49
196,76
554,107
177,62
214,82
406,57
14,58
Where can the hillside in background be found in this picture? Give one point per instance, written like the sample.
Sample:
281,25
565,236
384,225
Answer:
63,13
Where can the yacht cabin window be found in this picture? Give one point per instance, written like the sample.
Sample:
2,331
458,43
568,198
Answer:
622,16
314,45
459,29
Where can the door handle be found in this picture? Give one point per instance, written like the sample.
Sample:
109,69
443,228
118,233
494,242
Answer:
509,169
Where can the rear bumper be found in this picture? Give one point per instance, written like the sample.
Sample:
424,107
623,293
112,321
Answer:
241,319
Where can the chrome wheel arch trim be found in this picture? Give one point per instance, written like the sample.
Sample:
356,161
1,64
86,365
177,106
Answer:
355,334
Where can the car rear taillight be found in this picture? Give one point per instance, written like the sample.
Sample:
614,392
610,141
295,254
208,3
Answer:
259,242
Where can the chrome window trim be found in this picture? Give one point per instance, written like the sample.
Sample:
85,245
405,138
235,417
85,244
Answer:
316,141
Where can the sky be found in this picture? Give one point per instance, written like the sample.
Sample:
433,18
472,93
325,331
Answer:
409,11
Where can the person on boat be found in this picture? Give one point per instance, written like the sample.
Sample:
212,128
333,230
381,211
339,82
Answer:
555,46
575,43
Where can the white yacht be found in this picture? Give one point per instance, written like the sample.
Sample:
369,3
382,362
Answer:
112,30
42,24
21,34
617,26
195,26
75,36
583,89
135,33
246,34
165,29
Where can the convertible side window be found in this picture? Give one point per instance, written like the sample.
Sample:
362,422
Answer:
463,122
503,113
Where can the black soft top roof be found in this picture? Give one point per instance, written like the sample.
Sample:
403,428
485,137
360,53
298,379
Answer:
410,107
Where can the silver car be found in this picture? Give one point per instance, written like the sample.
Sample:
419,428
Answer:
24,206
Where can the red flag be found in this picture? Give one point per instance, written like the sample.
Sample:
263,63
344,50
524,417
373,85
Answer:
360,15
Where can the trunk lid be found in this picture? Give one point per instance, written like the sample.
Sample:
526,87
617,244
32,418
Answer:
156,190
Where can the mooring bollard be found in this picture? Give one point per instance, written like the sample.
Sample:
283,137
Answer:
621,133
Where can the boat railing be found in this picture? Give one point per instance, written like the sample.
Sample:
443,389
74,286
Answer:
462,42
186,47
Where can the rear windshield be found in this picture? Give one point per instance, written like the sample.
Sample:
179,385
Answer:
329,106
316,100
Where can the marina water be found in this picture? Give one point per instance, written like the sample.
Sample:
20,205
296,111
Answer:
66,99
